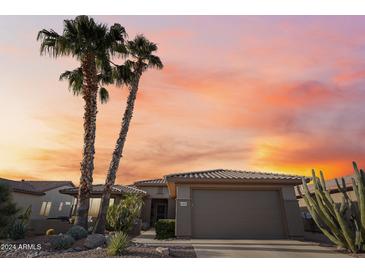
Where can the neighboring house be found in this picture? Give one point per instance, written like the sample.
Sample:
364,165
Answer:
43,197
157,204
117,192
226,204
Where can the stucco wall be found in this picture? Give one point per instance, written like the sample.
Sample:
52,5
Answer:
294,225
53,196
292,213
156,192
183,211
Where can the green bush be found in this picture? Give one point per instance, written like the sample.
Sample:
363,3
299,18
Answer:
19,227
77,232
50,232
8,211
121,216
165,228
117,244
17,230
62,241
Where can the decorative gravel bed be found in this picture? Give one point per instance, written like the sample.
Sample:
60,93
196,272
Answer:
39,247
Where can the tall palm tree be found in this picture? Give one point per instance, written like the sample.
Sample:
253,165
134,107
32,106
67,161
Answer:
93,44
141,55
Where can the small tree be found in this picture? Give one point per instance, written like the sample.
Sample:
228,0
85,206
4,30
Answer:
343,224
8,211
121,216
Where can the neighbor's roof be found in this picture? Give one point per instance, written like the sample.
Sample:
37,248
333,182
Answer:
98,189
331,185
153,182
231,175
34,187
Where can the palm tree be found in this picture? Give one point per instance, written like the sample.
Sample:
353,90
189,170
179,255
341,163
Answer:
141,52
93,44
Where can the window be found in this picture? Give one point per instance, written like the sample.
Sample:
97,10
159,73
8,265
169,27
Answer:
45,209
60,207
94,207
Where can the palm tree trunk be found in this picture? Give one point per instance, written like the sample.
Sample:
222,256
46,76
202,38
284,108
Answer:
117,155
90,88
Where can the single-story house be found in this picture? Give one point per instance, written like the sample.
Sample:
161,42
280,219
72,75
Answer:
43,197
226,204
50,208
117,192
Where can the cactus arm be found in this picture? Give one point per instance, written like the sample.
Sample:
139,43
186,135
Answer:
345,231
313,206
355,188
361,194
322,181
316,219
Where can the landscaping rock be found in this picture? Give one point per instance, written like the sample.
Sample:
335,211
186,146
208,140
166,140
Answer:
163,250
94,241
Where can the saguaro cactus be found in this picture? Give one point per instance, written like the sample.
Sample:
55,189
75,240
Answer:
343,224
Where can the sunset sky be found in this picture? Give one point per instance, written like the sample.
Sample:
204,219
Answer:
265,93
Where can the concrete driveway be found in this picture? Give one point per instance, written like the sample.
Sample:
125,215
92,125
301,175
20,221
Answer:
209,248
262,249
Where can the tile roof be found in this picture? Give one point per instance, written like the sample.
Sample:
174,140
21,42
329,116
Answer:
153,182
98,189
231,175
34,187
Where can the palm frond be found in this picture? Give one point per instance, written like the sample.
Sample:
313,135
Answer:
141,49
103,95
75,80
154,62
123,74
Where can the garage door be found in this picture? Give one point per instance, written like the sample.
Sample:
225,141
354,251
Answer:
236,214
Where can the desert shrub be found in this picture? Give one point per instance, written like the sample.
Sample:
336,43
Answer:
165,228
121,216
77,232
50,232
117,244
17,230
62,241
8,211
19,226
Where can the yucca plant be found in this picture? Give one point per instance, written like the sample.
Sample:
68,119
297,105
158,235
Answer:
118,243
343,224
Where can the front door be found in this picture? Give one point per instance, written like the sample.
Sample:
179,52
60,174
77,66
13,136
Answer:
161,211
158,210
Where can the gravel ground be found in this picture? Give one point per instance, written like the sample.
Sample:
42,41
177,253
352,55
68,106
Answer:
39,247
